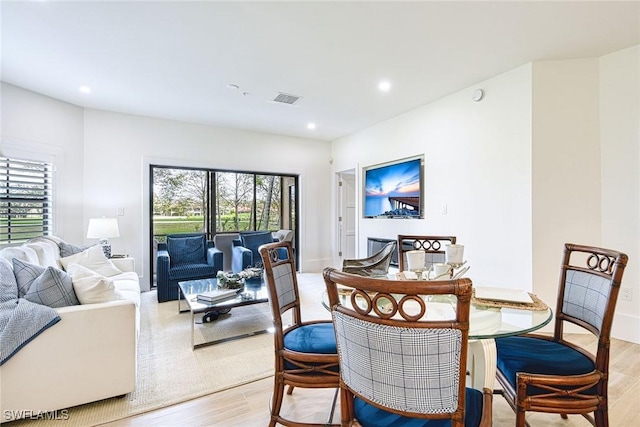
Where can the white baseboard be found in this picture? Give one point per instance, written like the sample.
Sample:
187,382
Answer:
626,327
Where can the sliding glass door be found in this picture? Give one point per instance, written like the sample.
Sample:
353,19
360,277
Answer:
210,201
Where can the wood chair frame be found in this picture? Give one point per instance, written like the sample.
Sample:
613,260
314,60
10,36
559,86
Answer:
311,370
375,292
429,244
565,394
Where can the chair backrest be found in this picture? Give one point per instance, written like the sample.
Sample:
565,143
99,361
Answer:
283,235
282,282
224,242
589,285
394,357
374,265
253,240
187,248
433,246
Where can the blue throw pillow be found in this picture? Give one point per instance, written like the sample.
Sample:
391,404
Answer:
253,240
8,284
186,250
44,285
67,249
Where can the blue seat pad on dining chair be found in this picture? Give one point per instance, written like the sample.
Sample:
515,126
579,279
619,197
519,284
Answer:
315,338
539,356
371,416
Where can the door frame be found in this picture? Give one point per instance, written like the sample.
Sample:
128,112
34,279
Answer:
345,200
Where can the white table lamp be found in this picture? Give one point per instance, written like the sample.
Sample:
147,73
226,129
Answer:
103,229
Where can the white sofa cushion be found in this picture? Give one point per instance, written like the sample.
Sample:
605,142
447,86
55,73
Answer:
20,252
127,283
46,250
93,259
91,287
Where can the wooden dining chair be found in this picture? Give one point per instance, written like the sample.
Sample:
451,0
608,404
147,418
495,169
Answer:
433,246
305,352
398,366
551,374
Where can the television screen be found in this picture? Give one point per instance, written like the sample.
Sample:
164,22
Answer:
394,190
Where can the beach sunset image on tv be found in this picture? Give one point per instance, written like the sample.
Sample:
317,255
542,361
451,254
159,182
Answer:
394,190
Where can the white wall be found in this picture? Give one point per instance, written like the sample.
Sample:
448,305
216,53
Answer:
620,156
477,162
103,159
566,165
37,127
120,147
549,156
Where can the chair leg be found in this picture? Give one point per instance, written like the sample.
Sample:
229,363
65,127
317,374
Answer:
276,399
290,390
601,418
520,419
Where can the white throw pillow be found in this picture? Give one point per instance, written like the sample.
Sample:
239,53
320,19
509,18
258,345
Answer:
90,287
93,259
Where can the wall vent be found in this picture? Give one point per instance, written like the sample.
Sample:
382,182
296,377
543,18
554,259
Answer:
286,98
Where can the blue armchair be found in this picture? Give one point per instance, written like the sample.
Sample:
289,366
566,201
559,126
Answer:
185,257
244,252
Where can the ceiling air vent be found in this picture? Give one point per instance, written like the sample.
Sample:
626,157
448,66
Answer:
285,98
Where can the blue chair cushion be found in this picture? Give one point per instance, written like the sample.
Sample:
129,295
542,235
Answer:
371,416
186,250
253,240
539,356
192,271
315,338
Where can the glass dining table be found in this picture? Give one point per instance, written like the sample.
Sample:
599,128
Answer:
486,323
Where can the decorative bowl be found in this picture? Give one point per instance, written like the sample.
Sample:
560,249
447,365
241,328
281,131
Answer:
229,281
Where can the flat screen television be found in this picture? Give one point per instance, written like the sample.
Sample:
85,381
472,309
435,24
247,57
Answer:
394,189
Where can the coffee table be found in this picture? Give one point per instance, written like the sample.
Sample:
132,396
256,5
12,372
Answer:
254,292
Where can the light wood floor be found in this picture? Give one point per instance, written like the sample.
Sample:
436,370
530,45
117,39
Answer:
248,405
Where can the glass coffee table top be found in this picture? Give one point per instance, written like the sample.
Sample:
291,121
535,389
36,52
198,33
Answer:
254,292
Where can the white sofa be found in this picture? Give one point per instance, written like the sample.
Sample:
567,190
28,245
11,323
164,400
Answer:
89,355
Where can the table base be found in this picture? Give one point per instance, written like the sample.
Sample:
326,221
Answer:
227,308
222,340
481,363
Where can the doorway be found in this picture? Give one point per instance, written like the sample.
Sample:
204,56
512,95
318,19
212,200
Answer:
346,226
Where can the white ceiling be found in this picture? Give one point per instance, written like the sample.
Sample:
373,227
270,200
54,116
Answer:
175,59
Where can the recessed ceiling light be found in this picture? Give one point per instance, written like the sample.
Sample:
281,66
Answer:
384,86
84,89
311,126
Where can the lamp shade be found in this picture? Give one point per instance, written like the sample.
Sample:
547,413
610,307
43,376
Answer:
103,228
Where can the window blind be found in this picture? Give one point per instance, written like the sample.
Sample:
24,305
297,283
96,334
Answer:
26,190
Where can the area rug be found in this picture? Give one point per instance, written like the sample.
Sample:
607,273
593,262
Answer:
169,371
